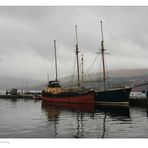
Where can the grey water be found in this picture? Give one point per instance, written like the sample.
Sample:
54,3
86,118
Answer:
20,118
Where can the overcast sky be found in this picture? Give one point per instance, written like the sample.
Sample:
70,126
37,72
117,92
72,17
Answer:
27,34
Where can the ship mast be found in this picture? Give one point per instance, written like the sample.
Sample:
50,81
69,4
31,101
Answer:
103,60
77,52
82,59
56,79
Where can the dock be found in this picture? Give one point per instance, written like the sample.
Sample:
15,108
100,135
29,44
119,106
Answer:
14,93
16,96
21,96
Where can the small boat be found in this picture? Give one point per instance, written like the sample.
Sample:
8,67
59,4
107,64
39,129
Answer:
117,96
55,93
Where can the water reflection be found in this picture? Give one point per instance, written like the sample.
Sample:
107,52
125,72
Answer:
121,112
82,115
79,128
52,114
112,113
31,119
104,126
70,107
53,111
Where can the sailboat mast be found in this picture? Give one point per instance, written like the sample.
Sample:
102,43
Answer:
82,68
56,79
103,60
77,52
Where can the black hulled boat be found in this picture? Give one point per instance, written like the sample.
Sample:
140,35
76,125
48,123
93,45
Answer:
117,96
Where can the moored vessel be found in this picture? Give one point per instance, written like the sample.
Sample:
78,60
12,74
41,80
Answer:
55,93
117,96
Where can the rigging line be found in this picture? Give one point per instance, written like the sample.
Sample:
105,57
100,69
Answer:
113,68
100,68
110,32
107,68
90,66
107,73
120,81
100,72
116,38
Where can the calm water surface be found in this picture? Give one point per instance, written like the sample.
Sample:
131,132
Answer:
33,119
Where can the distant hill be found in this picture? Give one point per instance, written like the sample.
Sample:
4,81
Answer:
119,77
126,73
124,76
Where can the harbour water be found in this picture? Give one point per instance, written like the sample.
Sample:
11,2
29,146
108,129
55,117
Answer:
24,118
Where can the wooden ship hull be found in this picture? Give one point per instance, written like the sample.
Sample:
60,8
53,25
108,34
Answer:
69,97
119,96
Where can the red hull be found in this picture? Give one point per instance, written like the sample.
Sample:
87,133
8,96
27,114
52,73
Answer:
88,98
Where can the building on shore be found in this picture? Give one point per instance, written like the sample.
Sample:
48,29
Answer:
139,91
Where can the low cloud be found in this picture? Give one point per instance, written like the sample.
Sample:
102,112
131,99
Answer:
27,34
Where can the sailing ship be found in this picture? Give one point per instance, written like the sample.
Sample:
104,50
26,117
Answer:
55,93
116,96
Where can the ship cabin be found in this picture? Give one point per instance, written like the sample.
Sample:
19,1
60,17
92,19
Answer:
139,91
54,84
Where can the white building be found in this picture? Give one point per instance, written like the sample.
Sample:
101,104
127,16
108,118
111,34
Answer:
139,91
